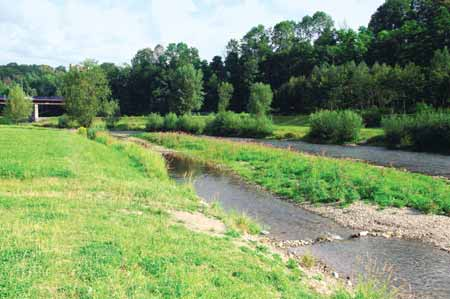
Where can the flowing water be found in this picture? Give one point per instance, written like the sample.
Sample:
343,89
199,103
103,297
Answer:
422,269
427,163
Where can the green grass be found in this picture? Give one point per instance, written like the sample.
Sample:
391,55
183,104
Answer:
85,219
316,179
297,128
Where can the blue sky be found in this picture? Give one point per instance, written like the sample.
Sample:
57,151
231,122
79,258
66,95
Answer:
59,32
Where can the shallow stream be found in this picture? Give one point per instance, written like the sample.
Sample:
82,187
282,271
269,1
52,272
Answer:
419,268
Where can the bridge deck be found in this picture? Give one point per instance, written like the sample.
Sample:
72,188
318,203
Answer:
47,101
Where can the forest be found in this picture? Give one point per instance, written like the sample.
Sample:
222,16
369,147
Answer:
401,58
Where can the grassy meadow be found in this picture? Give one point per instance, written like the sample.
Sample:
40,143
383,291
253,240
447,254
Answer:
86,219
307,178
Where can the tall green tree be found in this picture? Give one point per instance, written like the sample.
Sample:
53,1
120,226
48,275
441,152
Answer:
186,89
85,89
18,107
440,77
261,97
225,93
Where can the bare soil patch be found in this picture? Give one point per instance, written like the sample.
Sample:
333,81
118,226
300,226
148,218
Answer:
199,222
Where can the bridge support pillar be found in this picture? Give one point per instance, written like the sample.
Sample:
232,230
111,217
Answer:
35,116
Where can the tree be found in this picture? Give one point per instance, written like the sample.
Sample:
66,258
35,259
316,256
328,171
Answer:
85,88
440,77
225,92
186,89
390,16
261,96
18,107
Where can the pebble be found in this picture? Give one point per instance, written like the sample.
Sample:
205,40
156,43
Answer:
360,234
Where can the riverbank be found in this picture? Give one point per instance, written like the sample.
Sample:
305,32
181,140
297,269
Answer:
304,178
98,219
287,224
403,223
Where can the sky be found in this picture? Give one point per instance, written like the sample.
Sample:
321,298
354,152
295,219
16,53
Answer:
60,32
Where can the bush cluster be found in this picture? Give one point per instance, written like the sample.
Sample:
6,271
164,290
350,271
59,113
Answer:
427,131
240,125
65,122
222,124
372,117
335,126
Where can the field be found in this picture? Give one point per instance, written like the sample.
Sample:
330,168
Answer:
83,219
316,179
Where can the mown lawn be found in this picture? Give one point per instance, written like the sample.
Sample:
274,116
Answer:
81,219
316,179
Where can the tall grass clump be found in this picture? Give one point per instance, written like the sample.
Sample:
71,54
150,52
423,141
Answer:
335,126
191,124
427,131
155,122
170,122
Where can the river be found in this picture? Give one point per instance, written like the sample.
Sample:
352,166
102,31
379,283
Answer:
418,268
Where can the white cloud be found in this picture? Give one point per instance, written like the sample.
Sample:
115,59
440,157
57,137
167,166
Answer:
62,32
45,32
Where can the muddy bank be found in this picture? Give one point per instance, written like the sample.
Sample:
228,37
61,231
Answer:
402,223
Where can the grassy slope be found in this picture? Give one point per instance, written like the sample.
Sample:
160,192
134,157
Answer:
317,179
79,219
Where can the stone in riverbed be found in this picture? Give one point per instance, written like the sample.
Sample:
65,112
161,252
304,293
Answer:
360,234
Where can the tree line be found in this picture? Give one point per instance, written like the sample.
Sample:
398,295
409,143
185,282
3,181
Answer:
400,59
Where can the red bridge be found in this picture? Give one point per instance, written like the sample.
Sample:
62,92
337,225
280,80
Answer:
37,101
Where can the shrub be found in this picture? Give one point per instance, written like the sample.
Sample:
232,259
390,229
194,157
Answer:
64,121
155,122
335,126
308,260
372,117
240,125
110,111
191,124
93,131
396,130
428,131
18,107
431,132
82,131
171,122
